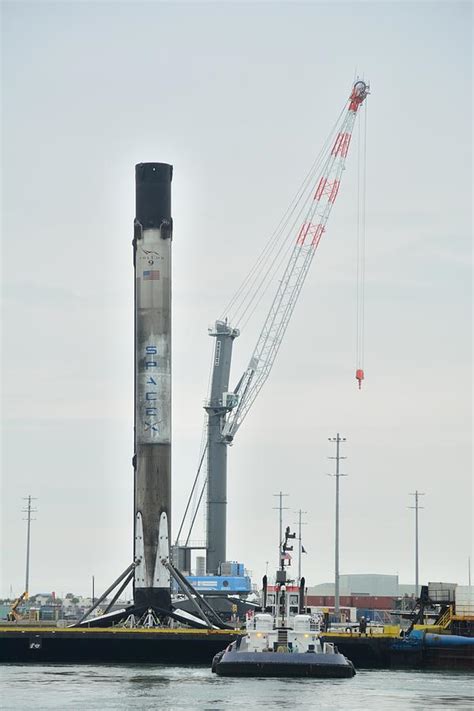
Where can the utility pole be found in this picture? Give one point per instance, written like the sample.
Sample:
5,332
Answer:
416,507
300,547
28,518
338,439
281,508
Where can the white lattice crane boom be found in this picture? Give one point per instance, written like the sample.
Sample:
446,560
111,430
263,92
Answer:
227,410
307,241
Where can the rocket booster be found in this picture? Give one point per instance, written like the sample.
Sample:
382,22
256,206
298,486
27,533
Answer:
152,460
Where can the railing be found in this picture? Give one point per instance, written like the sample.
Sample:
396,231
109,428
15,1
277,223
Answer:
445,618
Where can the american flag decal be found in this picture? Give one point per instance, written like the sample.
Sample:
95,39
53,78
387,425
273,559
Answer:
151,274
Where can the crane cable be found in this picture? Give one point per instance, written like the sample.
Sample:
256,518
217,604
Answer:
361,245
194,498
281,258
271,267
252,290
267,265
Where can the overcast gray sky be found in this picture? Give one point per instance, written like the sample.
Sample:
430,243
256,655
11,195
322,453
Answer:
239,97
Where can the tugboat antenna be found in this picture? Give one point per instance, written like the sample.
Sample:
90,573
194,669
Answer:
280,508
300,545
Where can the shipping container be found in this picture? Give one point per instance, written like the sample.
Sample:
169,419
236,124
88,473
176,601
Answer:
442,592
232,567
374,602
348,614
364,601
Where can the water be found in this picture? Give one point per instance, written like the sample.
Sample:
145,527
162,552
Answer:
53,686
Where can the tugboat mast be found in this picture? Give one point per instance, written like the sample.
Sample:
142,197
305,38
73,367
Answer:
280,508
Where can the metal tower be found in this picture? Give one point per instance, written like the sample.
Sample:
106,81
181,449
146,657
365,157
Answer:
218,406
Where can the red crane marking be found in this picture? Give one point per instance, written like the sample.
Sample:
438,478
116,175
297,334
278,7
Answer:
303,232
341,144
334,191
337,143
318,233
314,231
327,187
346,144
320,188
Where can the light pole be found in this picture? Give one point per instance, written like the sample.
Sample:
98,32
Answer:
28,512
338,439
416,507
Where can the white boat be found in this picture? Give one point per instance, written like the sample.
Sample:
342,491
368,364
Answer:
283,639
295,649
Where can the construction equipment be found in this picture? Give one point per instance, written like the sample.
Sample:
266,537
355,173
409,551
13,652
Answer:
298,236
13,614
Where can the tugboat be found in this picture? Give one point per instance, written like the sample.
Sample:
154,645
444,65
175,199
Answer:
283,639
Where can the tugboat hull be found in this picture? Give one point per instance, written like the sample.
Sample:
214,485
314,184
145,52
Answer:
274,664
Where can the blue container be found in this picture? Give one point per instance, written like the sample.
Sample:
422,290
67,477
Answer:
221,583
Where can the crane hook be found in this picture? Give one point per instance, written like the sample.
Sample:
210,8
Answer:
360,376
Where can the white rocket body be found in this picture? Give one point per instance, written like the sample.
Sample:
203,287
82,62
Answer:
152,461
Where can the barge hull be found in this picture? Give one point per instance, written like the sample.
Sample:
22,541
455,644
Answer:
389,652
177,647
274,664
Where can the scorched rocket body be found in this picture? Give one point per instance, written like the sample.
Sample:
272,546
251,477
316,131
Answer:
152,460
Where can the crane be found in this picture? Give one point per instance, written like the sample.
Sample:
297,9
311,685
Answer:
226,410
14,614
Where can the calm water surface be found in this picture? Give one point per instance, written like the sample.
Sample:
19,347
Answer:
53,686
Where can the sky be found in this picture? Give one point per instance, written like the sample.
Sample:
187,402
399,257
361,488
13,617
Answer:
239,97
